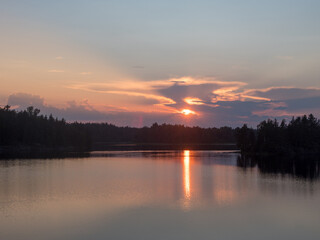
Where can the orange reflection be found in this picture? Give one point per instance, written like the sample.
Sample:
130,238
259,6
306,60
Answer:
186,171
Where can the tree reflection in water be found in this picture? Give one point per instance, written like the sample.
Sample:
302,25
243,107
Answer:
298,167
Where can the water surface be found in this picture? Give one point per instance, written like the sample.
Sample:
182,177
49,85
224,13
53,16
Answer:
158,195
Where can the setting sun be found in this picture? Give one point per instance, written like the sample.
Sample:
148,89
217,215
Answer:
187,112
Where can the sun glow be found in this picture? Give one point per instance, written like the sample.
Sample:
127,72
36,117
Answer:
187,112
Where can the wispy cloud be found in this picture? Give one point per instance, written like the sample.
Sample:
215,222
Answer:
170,91
193,101
215,103
283,92
161,99
84,111
189,81
59,58
72,111
126,85
175,92
86,73
56,71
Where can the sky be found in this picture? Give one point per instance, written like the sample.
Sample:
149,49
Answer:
198,63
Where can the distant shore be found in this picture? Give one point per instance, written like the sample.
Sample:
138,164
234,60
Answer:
26,133
163,146
25,152
38,151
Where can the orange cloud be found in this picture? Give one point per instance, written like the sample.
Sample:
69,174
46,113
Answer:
193,101
161,99
187,81
127,85
172,95
139,85
56,71
129,89
230,94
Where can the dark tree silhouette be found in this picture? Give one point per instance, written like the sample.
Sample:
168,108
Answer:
245,138
300,136
29,128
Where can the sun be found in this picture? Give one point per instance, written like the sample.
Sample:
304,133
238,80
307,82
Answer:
187,112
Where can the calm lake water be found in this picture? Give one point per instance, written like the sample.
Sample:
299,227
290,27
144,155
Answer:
158,195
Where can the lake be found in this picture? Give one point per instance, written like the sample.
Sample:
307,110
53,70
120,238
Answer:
158,195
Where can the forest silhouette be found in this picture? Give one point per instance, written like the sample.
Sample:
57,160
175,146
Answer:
300,136
29,128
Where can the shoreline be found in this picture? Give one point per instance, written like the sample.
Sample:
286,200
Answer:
38,151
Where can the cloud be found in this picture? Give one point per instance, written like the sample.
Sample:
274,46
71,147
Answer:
24,100
205,80
284,93
201,88
304,105
3,100
86,73
59,58
273,109
171,92
120,90
56,71
72,111
287,101
84,111
161,99
230,94
126,85
193,101
216,103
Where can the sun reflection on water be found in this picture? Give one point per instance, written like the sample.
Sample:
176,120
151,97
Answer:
186,166
186,177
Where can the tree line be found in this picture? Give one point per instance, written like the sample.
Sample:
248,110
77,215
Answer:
301,135
28,127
